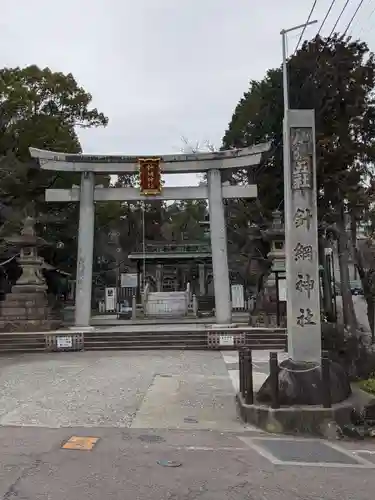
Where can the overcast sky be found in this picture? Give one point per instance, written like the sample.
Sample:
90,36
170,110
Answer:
161,69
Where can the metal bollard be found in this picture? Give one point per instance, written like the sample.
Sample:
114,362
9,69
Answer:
134,307
274,380
249,388
326,380
241,367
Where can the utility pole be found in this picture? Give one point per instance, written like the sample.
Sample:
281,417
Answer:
284,34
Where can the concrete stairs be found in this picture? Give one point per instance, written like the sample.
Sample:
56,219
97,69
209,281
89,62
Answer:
146,338
22,342
195,339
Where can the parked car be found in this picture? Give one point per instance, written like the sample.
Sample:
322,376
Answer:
355,288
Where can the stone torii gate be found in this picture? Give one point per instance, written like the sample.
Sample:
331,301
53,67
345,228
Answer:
87,194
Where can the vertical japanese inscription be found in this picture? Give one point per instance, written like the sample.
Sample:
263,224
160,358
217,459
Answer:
302,184
303,252
301,159
305,283
302,217
305,317
150,175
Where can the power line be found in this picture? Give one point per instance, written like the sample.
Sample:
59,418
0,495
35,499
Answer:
339,18
362,30
326,16
307,22
353,17
262,167
326,43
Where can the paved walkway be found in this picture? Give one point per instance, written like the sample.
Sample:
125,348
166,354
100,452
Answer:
260,367
118,389
146,412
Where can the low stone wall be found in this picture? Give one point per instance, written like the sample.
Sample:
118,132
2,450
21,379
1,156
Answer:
304,420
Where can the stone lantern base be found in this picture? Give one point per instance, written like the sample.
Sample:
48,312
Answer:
27,311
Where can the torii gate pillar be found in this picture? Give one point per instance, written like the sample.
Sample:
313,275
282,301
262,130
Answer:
86,230
223,303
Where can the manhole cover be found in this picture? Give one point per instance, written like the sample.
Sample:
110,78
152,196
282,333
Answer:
151,438
169,463
190,420
126,436
303,451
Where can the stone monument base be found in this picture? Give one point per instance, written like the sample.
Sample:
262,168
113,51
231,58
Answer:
301,395
300,383
300,420
27,311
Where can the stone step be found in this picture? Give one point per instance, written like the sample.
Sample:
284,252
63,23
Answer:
21,341
146,347
95,347
9,349
172,338
173,331
124,340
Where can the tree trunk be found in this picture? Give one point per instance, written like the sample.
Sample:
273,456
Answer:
348,311
326,281
370,315
366,281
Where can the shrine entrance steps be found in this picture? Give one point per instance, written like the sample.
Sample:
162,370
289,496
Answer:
113,320
146,337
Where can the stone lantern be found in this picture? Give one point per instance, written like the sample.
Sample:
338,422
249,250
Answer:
275,235
271,304
26,308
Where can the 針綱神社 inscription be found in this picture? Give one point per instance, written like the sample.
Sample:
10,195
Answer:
150,176
302,180
304,283
303,252
303,216
305,318
303,304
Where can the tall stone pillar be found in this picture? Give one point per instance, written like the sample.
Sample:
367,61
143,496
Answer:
202,279
223,305
85,250
301,238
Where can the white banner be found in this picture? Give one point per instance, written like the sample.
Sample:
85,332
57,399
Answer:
238,299
110,299
282,290
129,280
